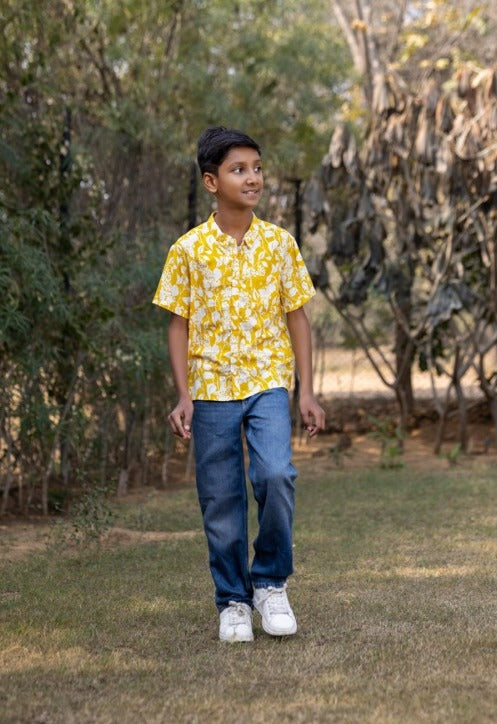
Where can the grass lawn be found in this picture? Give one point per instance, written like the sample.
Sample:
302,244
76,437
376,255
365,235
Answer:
395,592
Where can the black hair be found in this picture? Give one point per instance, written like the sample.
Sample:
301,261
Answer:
215,143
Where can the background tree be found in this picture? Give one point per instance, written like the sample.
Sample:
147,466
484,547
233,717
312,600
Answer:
419,196
375,228
101,103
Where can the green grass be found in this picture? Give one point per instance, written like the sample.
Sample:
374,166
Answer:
394,589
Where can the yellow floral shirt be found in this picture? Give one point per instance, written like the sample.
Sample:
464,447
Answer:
235,298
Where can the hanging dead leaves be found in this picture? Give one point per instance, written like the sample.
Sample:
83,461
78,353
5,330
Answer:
410,213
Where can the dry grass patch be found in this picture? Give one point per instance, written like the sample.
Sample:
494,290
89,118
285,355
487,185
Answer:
394,591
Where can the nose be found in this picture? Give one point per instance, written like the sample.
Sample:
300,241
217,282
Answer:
253,178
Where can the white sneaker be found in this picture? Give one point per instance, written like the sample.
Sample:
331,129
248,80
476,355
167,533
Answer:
277,616
235,622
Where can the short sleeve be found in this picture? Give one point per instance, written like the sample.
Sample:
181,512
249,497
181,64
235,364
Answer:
173,292
296,284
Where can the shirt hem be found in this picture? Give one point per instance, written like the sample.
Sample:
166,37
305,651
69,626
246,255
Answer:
170,309
300,303
224,398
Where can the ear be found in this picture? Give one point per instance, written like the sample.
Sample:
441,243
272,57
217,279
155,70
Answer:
210,182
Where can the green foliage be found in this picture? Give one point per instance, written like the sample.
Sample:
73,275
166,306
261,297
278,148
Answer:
390,437
426,43
90,520
338,455
454,454
92,516
101,105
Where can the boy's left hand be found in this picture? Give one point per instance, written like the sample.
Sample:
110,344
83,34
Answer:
313,415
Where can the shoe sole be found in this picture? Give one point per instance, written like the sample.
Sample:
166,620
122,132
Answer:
236,639
272,632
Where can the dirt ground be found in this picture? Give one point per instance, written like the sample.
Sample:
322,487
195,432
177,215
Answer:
345,373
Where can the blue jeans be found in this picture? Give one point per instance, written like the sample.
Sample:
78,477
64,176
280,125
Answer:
222,491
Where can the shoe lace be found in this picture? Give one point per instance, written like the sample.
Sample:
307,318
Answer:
237,613
277,600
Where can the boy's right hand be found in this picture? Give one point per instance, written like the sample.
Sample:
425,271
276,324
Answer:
180,419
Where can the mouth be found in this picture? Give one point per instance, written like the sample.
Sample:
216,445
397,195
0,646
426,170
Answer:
252,192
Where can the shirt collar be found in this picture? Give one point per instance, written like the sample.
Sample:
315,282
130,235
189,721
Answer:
251,234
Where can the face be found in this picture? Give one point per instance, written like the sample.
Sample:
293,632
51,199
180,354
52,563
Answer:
239,180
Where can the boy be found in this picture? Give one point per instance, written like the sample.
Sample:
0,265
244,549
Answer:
229,284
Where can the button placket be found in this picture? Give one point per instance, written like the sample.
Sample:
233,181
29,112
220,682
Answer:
234,339
244,261
230,378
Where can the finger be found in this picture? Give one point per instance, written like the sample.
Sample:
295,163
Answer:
308,423
311,428
173,426
176,425
184,430
317,420
307,418
187,423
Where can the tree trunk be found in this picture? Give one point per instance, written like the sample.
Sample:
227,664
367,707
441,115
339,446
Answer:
122,485
493,410
361,42
68,360
442,419
104,451
145,435
404,356
9,475
403,413
461,402
192,197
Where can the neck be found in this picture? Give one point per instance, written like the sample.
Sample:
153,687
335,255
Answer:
234,223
